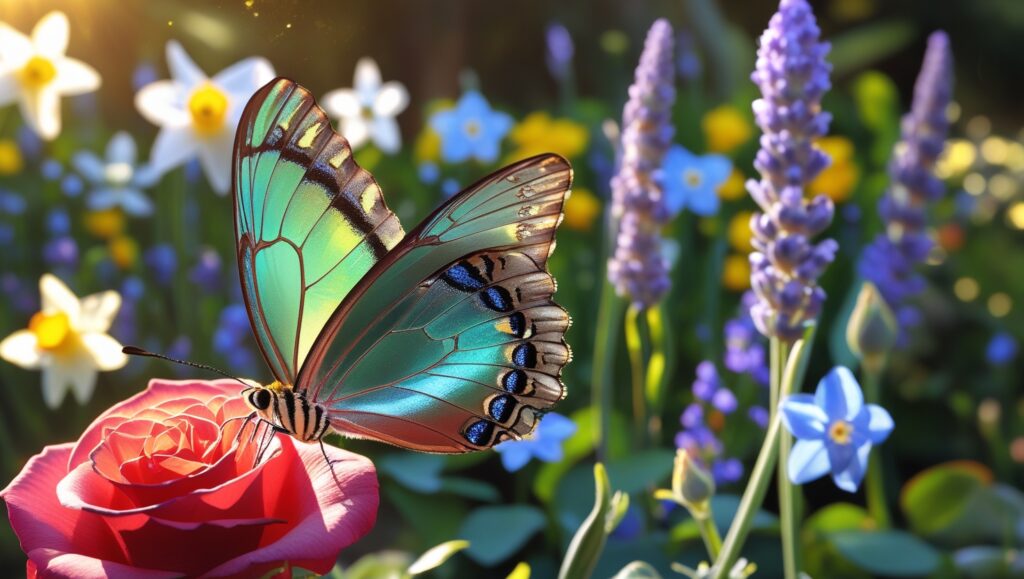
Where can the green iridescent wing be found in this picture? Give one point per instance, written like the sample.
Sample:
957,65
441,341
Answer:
309,222
452,342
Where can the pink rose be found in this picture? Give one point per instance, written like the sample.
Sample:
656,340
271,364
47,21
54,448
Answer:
155,487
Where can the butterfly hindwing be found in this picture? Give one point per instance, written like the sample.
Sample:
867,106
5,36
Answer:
452,342
309,222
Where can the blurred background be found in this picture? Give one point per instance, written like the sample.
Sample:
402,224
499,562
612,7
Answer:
955,390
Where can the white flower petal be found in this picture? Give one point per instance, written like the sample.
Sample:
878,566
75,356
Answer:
356,130
105,351
9,89
15,47
121,149
22,348
183,68
75,77
215,157
50,35
245,77
367,80
386,135
41,110
58,298
163,104
342,103
172,148
391,100
56,380
90,166
98,311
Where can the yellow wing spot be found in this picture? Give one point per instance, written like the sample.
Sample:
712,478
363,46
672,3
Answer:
523,230
368,198
307,138
338,159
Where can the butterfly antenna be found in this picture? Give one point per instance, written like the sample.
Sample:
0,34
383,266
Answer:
136,351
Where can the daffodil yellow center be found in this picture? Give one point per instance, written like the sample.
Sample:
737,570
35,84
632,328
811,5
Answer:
840,432
209,107
51,330
692,178
37,72
472,127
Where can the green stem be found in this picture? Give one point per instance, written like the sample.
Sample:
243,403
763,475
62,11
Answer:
637,367
789,501
657,367
875,485
709,532
757,486
609,316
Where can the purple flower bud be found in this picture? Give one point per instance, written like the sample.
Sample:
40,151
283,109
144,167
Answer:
792,74
638,269
891,259
559,51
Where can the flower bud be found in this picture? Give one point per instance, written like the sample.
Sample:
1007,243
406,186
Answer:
871,330
692,486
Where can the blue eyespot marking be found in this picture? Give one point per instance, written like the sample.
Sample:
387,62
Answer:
497,298
464,277
525,355
517,322
514,382
479,432
501,407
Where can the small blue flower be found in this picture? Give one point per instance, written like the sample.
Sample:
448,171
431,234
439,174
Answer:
471,130
206,272
545,444
61,252
428,172
691,182
12,203
834,431
727,470
163,262
58,222
116,179
72,185
449,187
51,169
1002,349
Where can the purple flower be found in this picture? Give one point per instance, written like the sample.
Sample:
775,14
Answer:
725,401
744,346
232,339
759,415
638,269
23,296
707,382
162,261
61,252
206,272
1001,349
890,261
726,470
792,74
559,51
693,416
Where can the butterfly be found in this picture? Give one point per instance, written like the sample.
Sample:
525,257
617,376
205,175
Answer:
444,339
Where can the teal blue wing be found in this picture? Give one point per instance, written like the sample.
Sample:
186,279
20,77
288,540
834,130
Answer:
309,222
452,342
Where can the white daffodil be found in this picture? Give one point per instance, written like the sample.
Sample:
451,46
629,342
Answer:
197,114
68,340
367,111
35,73
116,180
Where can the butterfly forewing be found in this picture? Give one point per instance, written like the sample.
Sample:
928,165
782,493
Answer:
452,342
309,222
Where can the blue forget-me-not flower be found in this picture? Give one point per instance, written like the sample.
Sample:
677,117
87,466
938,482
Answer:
545,444
471,130
834,429
691,181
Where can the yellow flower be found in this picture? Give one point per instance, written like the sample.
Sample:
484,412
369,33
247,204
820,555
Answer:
838,180
124,251
736,273
725,129
739,232
539,133
105,223
581,209
734,187
10,158
428,146
68,341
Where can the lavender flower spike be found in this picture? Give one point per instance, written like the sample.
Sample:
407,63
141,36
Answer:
638,269
792,74
890,260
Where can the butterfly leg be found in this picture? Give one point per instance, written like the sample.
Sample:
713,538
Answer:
330,464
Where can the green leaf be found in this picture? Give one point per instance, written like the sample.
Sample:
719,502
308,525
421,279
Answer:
935,498
383,564
470,488
414,471
637,570
837,345
496,533
574,449
588,542
868,44
838,517
639,471
436,556
892,553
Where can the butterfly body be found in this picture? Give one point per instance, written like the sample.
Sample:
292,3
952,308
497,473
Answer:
445,339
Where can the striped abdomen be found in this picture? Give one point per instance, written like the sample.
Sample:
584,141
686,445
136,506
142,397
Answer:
289,411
